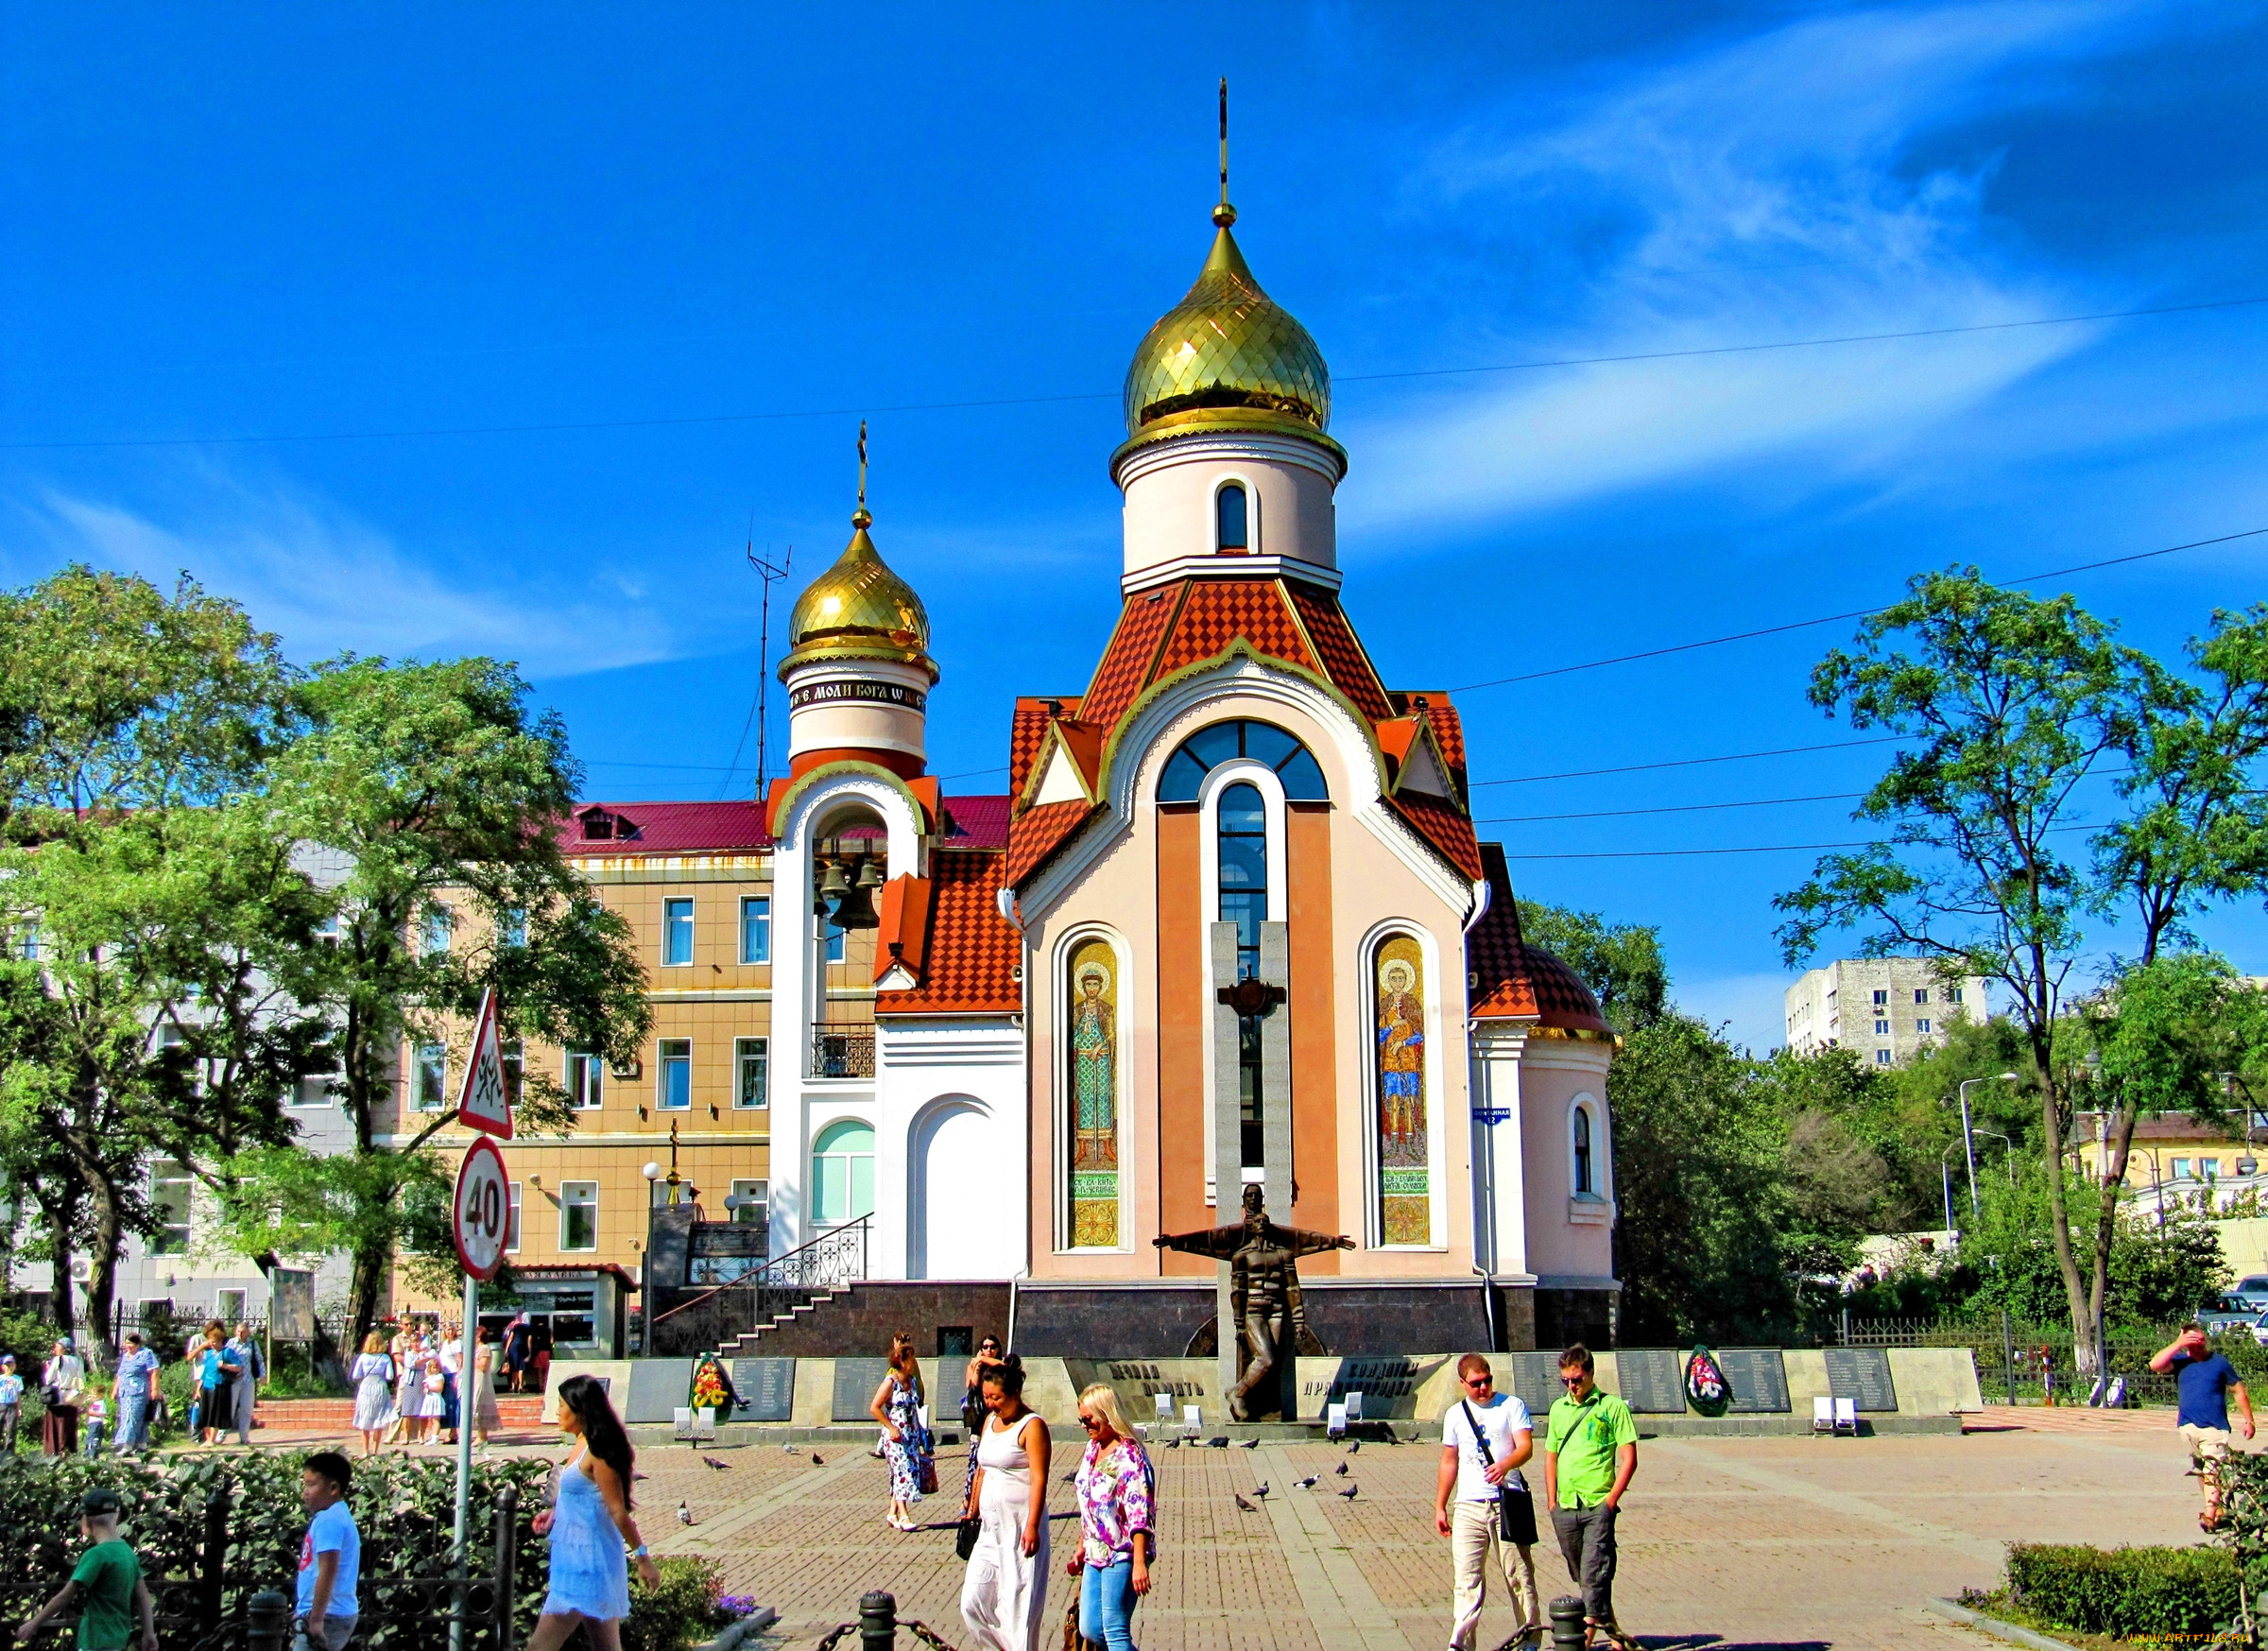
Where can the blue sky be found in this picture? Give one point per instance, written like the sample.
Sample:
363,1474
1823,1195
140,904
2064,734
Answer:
410,219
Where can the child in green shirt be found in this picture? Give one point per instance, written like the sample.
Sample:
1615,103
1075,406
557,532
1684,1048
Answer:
108,1582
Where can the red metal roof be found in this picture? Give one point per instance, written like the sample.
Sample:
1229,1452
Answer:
671,828
978,822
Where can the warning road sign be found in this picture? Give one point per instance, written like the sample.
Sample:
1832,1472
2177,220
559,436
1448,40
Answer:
484,1105
482,1213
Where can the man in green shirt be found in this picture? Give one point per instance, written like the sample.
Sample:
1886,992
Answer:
108,1582
1589,1454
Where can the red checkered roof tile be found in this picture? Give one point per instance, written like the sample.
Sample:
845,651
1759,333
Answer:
973,955
1512,980
1033,713
1216,612
1446,828
1125,669
1344,661
671,828
1038,832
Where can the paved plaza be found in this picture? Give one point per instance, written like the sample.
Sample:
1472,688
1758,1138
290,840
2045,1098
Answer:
1726,1543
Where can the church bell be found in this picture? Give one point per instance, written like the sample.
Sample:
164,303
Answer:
852,902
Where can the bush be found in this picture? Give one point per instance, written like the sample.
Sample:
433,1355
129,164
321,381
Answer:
682,1610
404,1507
2126,1591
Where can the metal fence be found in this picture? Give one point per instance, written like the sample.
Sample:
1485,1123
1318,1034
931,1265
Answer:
2024,1363
838,1256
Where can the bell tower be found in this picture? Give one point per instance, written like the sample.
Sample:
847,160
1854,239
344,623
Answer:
857,670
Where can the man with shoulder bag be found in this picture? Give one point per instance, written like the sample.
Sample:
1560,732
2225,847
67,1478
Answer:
1485,1436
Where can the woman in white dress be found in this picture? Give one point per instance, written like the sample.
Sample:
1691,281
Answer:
373,1376
483,1418
411,1398
1006,1589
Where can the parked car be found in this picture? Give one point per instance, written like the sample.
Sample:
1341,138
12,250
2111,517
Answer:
2232,1312
2253,1289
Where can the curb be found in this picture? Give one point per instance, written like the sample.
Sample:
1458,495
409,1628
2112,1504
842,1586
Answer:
2010,1631
757,1622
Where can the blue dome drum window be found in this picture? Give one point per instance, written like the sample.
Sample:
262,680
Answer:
1208,748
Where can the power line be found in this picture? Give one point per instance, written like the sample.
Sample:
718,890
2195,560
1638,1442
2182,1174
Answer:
687,420
1833,618
1685,808
1691,762
1759,849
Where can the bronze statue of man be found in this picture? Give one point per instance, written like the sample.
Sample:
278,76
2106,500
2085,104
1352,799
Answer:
1264,1303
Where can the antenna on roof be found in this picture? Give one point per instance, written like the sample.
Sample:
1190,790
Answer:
771,573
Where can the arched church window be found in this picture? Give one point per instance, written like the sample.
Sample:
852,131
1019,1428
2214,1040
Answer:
1208,748
842,1173
1586,1182
1094,1097
1243,860
1228,510
1404,1158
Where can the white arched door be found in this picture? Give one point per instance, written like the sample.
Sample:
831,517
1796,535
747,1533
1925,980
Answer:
949,1167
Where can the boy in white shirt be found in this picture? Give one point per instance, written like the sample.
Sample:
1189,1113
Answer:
1485,1435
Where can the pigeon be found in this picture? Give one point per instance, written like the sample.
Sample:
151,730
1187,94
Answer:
1070,1477
1219,1444
1353,1445
1340,1469
1348,1492
1242,1505
1173,1444
1260,1489
712,1462
685,1514
1307,1483
635,1475
818,1460
792,1450
1248,1444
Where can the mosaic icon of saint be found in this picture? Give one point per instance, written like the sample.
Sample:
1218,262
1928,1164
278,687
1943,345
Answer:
1401,1055
1094,1071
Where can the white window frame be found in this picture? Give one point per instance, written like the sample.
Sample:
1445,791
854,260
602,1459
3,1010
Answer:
511,1232
1882,1058
322,1082
435,930
1586,1105
743,1051
1212,515
186,1180
763,917
662,1057
1921,1027
669,905
763,1196
595,1071
420,1055
873,1155
511,926
233,1316
1922,994
569,1200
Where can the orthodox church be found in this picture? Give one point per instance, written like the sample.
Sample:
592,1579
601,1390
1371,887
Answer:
1231,926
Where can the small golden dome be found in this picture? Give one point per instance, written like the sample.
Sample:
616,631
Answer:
858,609
1226,353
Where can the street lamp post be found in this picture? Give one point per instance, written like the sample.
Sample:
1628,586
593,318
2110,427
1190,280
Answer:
1945,1174
2008,1154
1968,1144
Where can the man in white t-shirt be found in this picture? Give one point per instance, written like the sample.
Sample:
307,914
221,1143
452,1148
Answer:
1485,1435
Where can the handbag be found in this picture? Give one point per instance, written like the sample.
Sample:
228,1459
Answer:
964,1535
1514,1510
928,1480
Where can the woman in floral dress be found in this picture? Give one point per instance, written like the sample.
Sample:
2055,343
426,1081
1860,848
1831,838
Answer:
1118,1508
905,1442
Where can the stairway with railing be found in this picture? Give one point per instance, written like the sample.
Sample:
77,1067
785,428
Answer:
768,1293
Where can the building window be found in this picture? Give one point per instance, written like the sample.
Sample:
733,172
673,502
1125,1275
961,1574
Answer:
313,1088
1094,1086
1229,513
1404,1158
752,1202
752,1061
1953,995
511,928
677,932
2209,1168
1882,1028
1882,1058
1922,994
1586,1182
756,930
27,942
511,1055
842,1173
586,1080
170,1188
1922,1028
579,1216
432,1076
2181,1169
1208,748
229,1306
833,938
434,933
1244,871
511,1230
675,1092
1882,1000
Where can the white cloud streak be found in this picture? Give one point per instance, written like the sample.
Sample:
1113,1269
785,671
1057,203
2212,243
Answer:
1758,191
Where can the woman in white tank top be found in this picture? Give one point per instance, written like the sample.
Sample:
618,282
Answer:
1006,1590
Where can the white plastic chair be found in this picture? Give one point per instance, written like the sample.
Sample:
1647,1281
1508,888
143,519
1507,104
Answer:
1165,1408
1823,1415
1193,1422
1354,1404
704,1423
1334,1420
1847,1417
682,1421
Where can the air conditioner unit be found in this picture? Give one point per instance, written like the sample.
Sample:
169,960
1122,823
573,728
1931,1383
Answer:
629,1072
79,1267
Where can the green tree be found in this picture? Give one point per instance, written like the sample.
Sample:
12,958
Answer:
437,791
2013,706
1620,962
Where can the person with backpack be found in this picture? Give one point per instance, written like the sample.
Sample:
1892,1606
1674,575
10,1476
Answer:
1486,1437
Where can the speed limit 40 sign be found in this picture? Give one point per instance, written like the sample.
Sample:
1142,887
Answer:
482,1215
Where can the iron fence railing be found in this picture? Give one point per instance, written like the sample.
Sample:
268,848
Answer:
2024,1363
835,1258
842,1050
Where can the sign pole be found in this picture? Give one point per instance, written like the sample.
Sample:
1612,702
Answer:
467,1342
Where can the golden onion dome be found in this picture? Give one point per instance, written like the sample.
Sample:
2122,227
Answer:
859,609
1228,357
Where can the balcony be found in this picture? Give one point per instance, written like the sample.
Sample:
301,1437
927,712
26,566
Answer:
842,1050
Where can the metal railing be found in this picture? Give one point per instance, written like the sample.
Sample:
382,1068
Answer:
842,1050
834,1258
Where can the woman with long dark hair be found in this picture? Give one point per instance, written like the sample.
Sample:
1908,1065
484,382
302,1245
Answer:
589,1521
905,1439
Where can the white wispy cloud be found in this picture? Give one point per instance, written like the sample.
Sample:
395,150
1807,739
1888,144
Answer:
327,583
1761,190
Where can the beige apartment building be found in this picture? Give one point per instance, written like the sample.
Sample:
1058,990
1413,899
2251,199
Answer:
1886,1010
